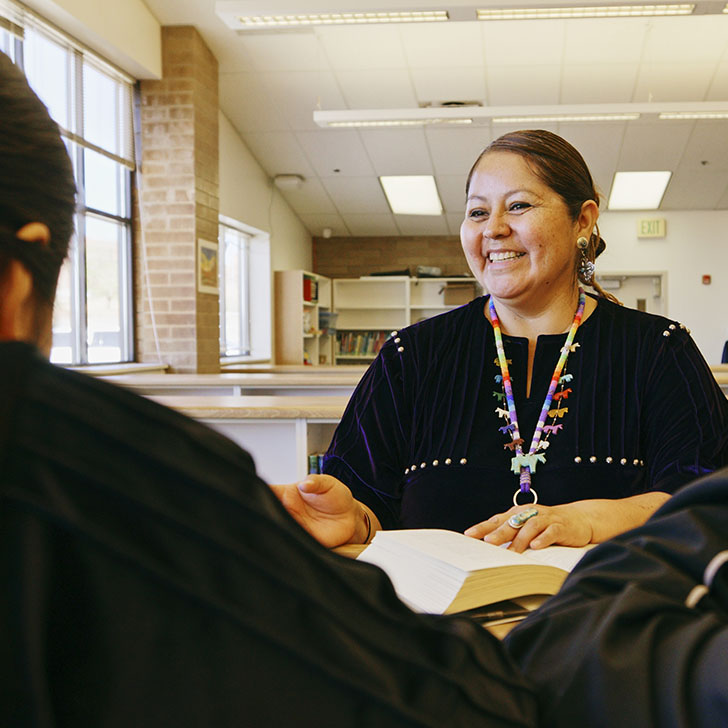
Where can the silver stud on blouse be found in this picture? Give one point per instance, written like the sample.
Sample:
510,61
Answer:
406,472
671,327
635,462
447,461
609,459
413,468
423,465
394,333
593,459
642,463
577,459
435,463
463,461
623,461
400,349
397,340
665,333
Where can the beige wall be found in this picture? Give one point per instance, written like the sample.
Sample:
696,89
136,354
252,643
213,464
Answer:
125,32
247,194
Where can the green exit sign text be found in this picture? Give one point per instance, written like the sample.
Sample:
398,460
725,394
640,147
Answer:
651,228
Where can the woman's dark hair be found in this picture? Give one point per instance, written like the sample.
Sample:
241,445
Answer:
560,166
36,183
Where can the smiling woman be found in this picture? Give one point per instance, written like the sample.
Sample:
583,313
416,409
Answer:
538,394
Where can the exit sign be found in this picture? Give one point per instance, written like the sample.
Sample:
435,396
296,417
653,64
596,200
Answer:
651,228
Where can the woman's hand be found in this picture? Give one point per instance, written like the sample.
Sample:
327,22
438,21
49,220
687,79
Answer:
561,525
325,507
572,524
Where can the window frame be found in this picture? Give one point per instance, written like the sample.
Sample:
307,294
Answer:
18,21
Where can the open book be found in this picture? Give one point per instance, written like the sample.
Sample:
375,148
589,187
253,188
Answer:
441,572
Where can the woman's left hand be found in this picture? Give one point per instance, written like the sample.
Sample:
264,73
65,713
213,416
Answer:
571,524
563,525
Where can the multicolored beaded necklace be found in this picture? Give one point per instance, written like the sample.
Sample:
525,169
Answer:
523,464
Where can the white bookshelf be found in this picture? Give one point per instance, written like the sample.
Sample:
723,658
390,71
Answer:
370,306
299,338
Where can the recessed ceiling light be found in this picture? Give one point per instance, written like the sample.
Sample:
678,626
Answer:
564,117
253,22
412,194
594,11
638,190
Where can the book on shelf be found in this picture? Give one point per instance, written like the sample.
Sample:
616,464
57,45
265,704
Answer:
442,572
362,343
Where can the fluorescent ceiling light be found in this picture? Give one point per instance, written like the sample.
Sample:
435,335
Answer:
638,190
394,122
673,115
595,11
253,22
468,114
564,117
412,195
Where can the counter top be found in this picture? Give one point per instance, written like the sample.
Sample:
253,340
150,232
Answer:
257,407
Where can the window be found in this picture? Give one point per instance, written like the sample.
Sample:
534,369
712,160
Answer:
92,104
244,291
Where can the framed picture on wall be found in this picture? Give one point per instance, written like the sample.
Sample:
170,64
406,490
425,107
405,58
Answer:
207,267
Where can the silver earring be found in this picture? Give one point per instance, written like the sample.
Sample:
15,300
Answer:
586,267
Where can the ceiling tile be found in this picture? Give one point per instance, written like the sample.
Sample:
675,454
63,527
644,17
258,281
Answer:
653,145
696,189
708,143
316,224
452,192
330,150
718,90
235,91
442,45
449,84
368,89
523,85
310,198
673,82
291,51
422,224
356,194
359,48
364,225
278,152
598,84
297,94
524,42
695,39
397,151
605,40
454,151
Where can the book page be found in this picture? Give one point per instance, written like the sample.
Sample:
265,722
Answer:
564,557
450,547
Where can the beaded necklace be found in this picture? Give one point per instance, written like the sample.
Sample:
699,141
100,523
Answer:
523,464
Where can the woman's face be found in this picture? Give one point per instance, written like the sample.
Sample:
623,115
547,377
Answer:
517,235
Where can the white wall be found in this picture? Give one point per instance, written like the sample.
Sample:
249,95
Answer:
247,194
696,244
125,32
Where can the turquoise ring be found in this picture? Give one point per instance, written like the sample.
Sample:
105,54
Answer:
518,519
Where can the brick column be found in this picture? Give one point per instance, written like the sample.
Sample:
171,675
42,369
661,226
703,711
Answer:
180,204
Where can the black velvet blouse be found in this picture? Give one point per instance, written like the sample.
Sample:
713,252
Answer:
420,442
